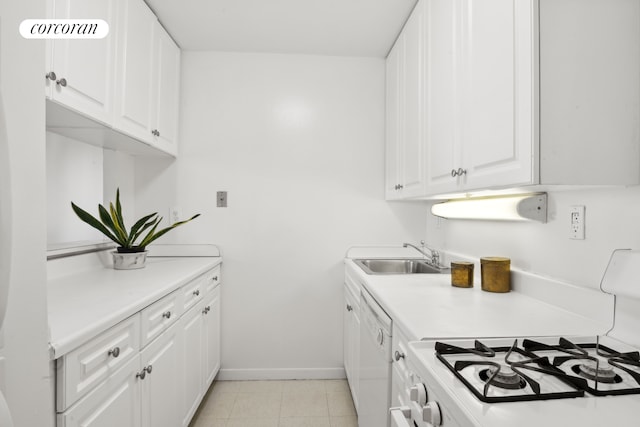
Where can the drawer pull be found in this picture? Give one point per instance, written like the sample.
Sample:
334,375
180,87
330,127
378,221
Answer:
399,356
349,307
148,369
196,292
206,310
215,278
115,352
142,374
167,314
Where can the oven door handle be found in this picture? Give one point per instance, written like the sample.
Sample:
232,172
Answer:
400,416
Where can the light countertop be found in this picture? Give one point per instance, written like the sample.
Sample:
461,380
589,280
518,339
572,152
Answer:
427,306
91,300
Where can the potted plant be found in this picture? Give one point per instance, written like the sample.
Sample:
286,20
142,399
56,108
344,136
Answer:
128,254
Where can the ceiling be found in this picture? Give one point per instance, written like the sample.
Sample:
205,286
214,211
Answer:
322,27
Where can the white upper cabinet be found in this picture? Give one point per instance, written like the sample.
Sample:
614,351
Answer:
127,84
442,137
166,91
405,109
80,72
147,87
134,88
480,90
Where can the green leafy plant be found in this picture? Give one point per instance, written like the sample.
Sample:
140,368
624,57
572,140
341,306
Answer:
112,225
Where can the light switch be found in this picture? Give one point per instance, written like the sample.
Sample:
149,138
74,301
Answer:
221,199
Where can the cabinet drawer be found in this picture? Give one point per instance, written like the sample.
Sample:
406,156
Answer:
193,292
159,316
212,278
84,368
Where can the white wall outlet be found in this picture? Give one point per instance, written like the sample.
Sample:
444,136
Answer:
175,214
576,218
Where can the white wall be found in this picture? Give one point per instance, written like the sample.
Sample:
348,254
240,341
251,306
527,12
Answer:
612,222
297,141
26,372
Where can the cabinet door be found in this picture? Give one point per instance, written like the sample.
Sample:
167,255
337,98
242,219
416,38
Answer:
116,402
166,92
498,88
211,337
133,109
161,387
412,155
84,69
393,131
351,342
441,103
191,325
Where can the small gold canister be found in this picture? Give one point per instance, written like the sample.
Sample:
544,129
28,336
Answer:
462,274
496,274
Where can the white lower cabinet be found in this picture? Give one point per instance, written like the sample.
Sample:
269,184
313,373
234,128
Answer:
351,337
160,398
114,380
115,402
200,329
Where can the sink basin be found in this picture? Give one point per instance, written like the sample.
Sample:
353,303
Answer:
398,266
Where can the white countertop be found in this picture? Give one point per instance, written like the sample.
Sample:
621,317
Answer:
427,306
88,302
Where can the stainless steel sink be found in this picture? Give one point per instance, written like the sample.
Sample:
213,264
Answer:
398,266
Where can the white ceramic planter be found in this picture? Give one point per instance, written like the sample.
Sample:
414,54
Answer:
129,261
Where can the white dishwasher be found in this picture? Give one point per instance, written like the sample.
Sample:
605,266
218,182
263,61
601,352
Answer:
375,364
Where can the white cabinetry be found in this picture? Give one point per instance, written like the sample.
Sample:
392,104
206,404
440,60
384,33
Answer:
127,84
147,78
140,372
115,402
160,395
200,328
351,335
514,98
480,111
405,159
80,72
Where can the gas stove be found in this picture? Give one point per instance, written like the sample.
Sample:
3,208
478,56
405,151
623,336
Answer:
542,369
552,380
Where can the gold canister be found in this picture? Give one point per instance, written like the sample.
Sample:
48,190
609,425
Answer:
462,274
496,274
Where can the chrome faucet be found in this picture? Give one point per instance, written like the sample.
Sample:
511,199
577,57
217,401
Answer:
433,258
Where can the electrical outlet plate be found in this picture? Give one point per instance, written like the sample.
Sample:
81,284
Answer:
175,213
576,219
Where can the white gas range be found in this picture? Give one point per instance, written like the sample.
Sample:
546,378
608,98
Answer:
532,381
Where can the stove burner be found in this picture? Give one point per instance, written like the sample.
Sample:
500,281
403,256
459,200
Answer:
590,370
502,377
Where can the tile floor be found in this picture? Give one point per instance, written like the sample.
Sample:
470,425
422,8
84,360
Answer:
296,403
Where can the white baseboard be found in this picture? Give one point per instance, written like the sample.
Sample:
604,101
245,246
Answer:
281,374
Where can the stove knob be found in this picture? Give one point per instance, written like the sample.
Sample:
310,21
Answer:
418,394
431,414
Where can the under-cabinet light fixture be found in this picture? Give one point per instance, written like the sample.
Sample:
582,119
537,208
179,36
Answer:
526,207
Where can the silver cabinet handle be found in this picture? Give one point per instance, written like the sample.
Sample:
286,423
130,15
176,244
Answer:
458,172
196,292
155,132
206,310
148,369
62,82
142,374
380,338
215,278
50,75
349,307
115,352
166,314
398,355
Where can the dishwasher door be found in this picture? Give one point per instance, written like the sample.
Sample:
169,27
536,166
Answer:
374,385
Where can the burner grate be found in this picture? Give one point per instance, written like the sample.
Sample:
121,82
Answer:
497,374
